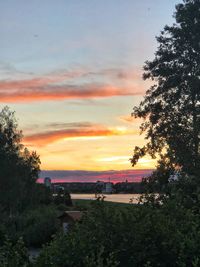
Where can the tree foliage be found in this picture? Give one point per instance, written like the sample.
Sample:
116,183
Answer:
19,167
14,255
171,107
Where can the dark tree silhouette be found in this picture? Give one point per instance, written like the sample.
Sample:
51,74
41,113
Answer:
171,107
19,168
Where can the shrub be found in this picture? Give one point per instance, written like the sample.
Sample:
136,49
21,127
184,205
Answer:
166,234
14,254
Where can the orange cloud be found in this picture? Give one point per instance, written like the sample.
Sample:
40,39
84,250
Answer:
61,92
60,86
47,137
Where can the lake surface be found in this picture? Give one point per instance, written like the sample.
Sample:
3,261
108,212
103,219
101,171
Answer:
120,198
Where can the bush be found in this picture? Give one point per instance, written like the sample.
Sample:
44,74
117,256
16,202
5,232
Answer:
14,255
37,226
153,234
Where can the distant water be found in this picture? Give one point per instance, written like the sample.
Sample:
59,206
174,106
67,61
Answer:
120,198
93,176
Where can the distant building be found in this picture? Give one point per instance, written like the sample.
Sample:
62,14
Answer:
47,181
68,218
108,188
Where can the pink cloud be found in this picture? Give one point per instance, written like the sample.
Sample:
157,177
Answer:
59,92
58,86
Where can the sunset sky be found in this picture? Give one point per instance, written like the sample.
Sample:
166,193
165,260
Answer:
72,71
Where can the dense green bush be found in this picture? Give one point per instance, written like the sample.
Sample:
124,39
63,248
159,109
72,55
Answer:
36,226
62,197
14,254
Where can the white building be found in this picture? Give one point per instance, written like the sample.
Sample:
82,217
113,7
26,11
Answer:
108,188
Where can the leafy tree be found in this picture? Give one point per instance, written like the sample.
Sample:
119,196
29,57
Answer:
171,107
62,197
19,167
41,220
14,255
42,195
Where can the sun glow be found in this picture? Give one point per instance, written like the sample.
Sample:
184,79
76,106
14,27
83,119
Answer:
84,138
113,158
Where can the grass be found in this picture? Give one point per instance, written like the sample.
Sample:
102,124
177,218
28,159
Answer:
84,204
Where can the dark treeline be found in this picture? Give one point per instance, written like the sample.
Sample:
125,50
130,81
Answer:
81,187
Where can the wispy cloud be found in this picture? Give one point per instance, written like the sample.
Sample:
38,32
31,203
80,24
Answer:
129,119
117,73
55,126
114,158
60,92
60,125
68,85
78,131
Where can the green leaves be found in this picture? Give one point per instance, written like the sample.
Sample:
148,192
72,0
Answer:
14,255
171,107
19,167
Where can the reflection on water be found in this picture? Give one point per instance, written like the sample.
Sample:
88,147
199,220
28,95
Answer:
120,198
